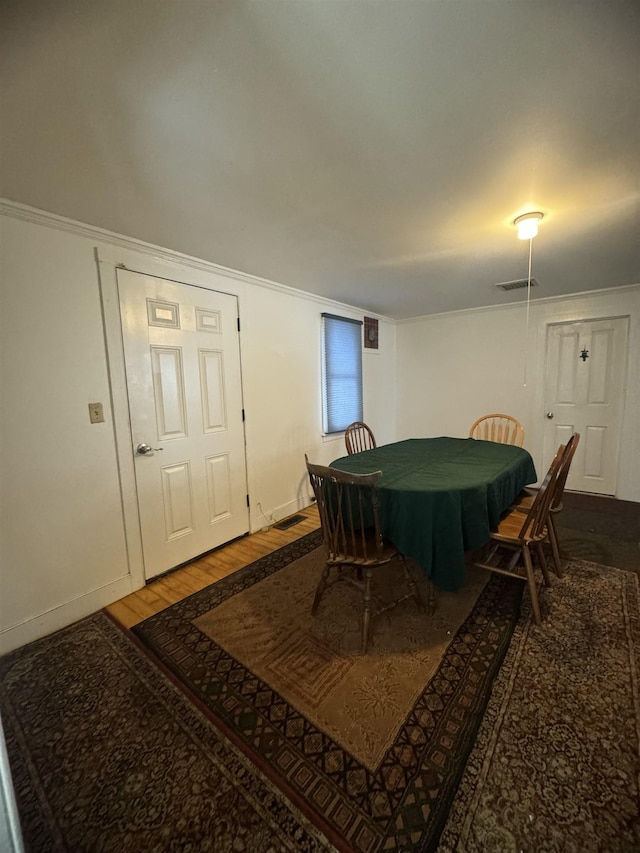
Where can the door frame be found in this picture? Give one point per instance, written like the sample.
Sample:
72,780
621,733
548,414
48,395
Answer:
189,272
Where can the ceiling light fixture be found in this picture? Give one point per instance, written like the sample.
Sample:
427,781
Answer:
527,225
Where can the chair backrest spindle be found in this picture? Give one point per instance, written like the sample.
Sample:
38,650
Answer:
569,453
348,505
535,521
359,437
503,429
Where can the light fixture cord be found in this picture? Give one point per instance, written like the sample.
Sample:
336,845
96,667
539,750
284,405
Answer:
526,338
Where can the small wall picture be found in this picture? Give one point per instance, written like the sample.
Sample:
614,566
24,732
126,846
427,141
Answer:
370,333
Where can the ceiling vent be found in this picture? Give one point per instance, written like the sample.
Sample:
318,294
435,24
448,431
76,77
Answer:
516,285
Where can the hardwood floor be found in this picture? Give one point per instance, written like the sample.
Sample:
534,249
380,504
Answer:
180,583
578,531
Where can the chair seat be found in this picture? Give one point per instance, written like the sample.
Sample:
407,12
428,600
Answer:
388,553
524,502
510,526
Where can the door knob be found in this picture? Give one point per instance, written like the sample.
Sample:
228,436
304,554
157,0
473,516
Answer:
146,449
550,415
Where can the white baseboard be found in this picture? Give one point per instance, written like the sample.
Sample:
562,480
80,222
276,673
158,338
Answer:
275,515
65,614
291,507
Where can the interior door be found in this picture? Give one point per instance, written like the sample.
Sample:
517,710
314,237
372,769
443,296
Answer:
584,391
182,359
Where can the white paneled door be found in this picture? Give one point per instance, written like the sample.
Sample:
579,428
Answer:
182,357
584,392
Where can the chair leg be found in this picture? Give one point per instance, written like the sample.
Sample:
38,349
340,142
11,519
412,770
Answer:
513,562
543,563
431,603
366,611
553,538
533,592
322,584
412,584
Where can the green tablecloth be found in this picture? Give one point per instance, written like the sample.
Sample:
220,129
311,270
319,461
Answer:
440,497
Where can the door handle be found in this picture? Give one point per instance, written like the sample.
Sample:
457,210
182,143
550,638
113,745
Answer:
145,449
550,415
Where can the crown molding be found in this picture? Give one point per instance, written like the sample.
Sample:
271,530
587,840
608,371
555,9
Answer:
93,232
544,300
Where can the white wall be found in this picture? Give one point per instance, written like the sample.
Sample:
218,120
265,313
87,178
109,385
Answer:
64,549
62,535
281,345
454,367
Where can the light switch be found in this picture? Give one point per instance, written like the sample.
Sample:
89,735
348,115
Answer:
96,415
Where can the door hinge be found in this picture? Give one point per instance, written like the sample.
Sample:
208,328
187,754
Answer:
238,323
243,416
248,504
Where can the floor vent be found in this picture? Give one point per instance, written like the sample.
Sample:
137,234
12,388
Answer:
289,522
516,285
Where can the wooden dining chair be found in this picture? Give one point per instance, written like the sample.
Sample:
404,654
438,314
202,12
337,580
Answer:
358,437
503,429
349,508
524,502
523,535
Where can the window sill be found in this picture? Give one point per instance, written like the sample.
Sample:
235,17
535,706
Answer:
333,436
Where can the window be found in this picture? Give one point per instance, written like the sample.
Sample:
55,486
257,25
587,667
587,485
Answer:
341,372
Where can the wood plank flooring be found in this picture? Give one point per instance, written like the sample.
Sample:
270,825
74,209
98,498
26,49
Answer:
215,565
160,593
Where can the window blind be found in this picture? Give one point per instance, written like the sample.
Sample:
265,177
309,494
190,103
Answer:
341,372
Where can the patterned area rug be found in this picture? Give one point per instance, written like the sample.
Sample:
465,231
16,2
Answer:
556,762
371,749
360,701
108,755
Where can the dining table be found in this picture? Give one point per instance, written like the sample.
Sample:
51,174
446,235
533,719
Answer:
440,497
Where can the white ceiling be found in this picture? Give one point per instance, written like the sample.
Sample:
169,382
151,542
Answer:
370,151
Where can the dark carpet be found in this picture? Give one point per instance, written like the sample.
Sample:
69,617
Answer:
108,755
600,529
556,763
